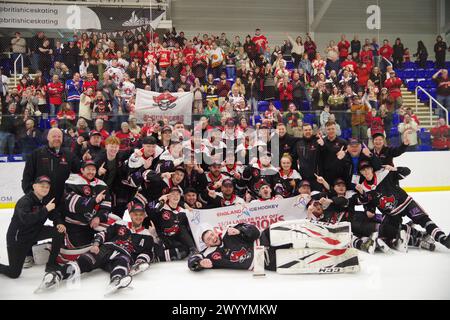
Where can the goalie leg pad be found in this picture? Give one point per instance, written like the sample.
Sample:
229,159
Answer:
301,261
311,234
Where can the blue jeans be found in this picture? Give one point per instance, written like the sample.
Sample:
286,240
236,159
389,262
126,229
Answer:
7,140
54,108
445,101
35,62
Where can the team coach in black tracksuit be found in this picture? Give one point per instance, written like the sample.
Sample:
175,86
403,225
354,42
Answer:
53,162
27,227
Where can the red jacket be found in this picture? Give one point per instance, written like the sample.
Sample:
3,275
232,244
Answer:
393,85
343,48
55,91
90,84
367,57
363,75
285,92
441,137
189,55
386,52
70,115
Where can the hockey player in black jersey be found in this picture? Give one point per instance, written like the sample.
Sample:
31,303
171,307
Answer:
262,169
225,198
232,250
87,203
171,223
120,249
384,193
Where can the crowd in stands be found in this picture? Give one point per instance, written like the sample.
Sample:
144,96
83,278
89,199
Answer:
89,83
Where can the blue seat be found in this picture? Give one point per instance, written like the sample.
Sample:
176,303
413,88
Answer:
429,64
309,118
290,65
395,121
424,148
3,158
305,105
346,134
409,64
420,73
412,85
394,132
277,104
257,119
263,106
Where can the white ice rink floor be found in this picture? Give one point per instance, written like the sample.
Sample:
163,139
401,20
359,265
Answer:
413,275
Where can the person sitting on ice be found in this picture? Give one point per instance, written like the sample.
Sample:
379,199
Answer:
383,192
123,249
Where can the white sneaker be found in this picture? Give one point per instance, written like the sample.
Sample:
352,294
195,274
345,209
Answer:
28,263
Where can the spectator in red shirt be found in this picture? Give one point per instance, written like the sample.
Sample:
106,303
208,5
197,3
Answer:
386,52
366,56
363,73
55,91
393,84
189,54
90,82
260,41
441,135
66,116
343,47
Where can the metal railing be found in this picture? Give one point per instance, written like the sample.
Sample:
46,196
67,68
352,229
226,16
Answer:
390,63
15,67
430,103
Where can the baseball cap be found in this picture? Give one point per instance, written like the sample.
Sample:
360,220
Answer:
180,168
88,163
227,182
42,179
94,133
166,128
339,181
353,141
137,207
177,189
377,134
304,183
190,189
364,164
261,183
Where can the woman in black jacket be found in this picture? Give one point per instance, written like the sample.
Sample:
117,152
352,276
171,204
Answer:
397,56
421,54
440,49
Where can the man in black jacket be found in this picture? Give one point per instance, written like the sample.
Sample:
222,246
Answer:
53,162
306,154
27,227
71,55
285,140
332,151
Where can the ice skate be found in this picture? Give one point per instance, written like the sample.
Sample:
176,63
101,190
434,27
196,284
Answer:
138,268
427,243
73,270
402,241
29,262
446,241
382,246
117,283
370,244
51,281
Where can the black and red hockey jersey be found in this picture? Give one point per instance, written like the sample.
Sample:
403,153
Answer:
135,243
385,193
235,252
254,173
80,205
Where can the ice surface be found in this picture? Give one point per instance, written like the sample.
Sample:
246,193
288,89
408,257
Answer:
413,275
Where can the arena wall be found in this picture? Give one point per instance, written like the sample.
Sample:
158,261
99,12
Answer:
430,172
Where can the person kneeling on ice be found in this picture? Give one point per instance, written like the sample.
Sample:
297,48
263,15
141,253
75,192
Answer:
27,227
123,249
383,192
